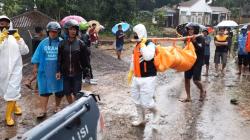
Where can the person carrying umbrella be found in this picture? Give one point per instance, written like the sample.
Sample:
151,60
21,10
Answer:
119,41
12,46
93,35
72,60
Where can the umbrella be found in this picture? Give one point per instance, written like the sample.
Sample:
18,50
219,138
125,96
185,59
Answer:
227,23
125,27
102,27
98,25
79,19
245,26
181,29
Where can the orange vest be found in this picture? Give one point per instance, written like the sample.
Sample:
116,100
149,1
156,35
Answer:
248,42
143,68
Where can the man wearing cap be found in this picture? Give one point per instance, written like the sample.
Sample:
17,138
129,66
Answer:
242,54
207,39
12,46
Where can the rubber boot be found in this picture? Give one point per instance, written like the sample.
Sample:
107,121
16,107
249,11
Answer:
17,109
141,116
9,110
156,115
155,120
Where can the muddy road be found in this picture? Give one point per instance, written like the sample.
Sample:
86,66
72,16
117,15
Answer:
214,119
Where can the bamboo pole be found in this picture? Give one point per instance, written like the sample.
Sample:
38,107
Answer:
171,39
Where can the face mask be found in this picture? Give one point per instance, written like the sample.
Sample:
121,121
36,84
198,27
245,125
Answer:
136,37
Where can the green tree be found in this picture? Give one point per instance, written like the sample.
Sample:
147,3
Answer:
11,7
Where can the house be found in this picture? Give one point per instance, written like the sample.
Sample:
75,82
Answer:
26,23
201,12
198,11
219,14
194,11
169,15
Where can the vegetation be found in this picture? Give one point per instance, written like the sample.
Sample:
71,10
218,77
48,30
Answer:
108,12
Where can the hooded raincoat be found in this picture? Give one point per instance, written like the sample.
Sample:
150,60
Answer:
11,67
143,87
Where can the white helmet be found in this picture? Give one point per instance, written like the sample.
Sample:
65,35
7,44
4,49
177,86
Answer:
141,31
4,17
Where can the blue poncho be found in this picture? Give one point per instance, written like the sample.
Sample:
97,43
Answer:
46,58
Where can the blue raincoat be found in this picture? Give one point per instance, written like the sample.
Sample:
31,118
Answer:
242,44
46,58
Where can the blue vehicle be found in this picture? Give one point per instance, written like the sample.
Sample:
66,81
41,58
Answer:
78,121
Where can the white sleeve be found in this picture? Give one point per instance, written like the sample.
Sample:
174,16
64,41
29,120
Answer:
24,49
148,52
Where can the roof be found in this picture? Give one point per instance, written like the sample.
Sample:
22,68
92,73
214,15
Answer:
188,3
31,19
167,9
219,9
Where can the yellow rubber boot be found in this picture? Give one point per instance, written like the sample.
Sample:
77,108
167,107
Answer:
9,110
17,109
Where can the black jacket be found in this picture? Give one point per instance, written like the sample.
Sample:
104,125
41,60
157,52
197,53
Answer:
72,57
85,39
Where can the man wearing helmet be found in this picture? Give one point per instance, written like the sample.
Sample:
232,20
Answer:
195,71
143,75
72,60
12,46
45,67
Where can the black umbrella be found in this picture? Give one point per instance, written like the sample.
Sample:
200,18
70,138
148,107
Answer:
182,28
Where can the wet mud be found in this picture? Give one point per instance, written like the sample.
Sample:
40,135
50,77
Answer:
214,119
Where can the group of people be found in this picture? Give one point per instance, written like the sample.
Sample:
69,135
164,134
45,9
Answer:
59,64
223,42
142,73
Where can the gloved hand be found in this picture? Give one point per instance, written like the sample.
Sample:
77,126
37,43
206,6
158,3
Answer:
143,41
130,75
17,36
3,35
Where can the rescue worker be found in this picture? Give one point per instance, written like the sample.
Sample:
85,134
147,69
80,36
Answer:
12,46
72,60
143,75
45,61
248,45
